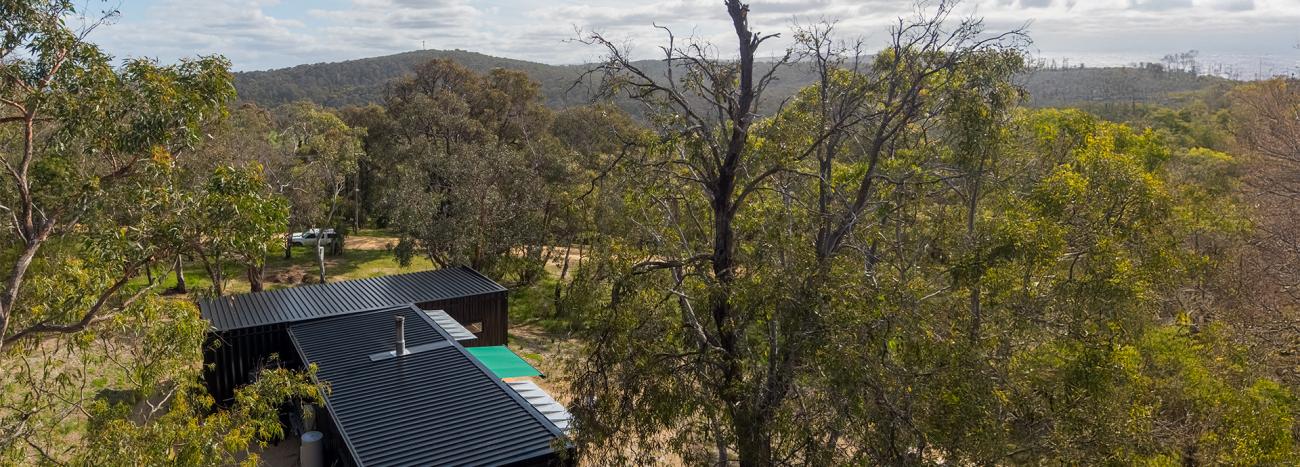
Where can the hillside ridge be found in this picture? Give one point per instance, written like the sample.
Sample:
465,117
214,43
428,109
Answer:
362,81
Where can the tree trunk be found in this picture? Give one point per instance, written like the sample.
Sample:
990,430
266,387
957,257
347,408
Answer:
213,264
288,244
753,438
334,201
559,284
720,440
976,312
218,278
320,260
8,300
254,278
356,200
751,426
180,276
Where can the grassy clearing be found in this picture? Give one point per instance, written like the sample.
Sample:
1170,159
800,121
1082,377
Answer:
535,306
374,232
351,264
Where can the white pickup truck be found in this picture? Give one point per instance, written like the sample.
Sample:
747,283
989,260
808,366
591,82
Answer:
313,237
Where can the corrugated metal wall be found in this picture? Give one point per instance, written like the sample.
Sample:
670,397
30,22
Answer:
491,310
336,451
232,358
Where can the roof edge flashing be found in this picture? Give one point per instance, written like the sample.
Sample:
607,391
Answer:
499,287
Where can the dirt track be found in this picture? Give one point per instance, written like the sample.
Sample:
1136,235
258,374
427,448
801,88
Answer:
359,242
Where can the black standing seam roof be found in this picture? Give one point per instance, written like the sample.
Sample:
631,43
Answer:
435,407
336,298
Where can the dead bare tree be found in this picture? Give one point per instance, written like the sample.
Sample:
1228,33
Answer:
706,107
1266,119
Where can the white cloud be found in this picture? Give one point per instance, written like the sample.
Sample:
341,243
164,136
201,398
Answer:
1159,5
1231,5
258,34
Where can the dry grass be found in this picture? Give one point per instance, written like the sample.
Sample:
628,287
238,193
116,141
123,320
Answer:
546,351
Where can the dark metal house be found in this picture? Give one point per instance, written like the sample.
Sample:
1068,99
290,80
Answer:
404,392
249,331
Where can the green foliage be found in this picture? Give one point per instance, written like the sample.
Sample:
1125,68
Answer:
322,153
135,379
97,367
122,360
190,432
85,185
234,199
234,217
1170,395
1084,238
472,174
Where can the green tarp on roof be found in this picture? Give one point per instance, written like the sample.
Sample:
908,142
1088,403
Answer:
502,362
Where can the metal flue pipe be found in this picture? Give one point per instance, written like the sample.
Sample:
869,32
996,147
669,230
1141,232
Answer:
401,336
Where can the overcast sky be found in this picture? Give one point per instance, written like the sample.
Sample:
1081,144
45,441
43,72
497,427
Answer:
263,34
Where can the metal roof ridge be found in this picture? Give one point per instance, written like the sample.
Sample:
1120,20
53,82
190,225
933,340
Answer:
484,277
314,301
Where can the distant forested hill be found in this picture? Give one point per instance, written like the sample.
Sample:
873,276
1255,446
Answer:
1081,86
363,81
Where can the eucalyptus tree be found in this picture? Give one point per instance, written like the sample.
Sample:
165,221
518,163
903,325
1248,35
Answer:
899,267
234,216
322,155
83,139
474,175
595,136
239,161
89,151
373,122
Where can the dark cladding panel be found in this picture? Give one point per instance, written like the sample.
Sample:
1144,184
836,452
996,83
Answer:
489,310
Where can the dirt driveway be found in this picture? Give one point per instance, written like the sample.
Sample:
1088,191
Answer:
361,242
